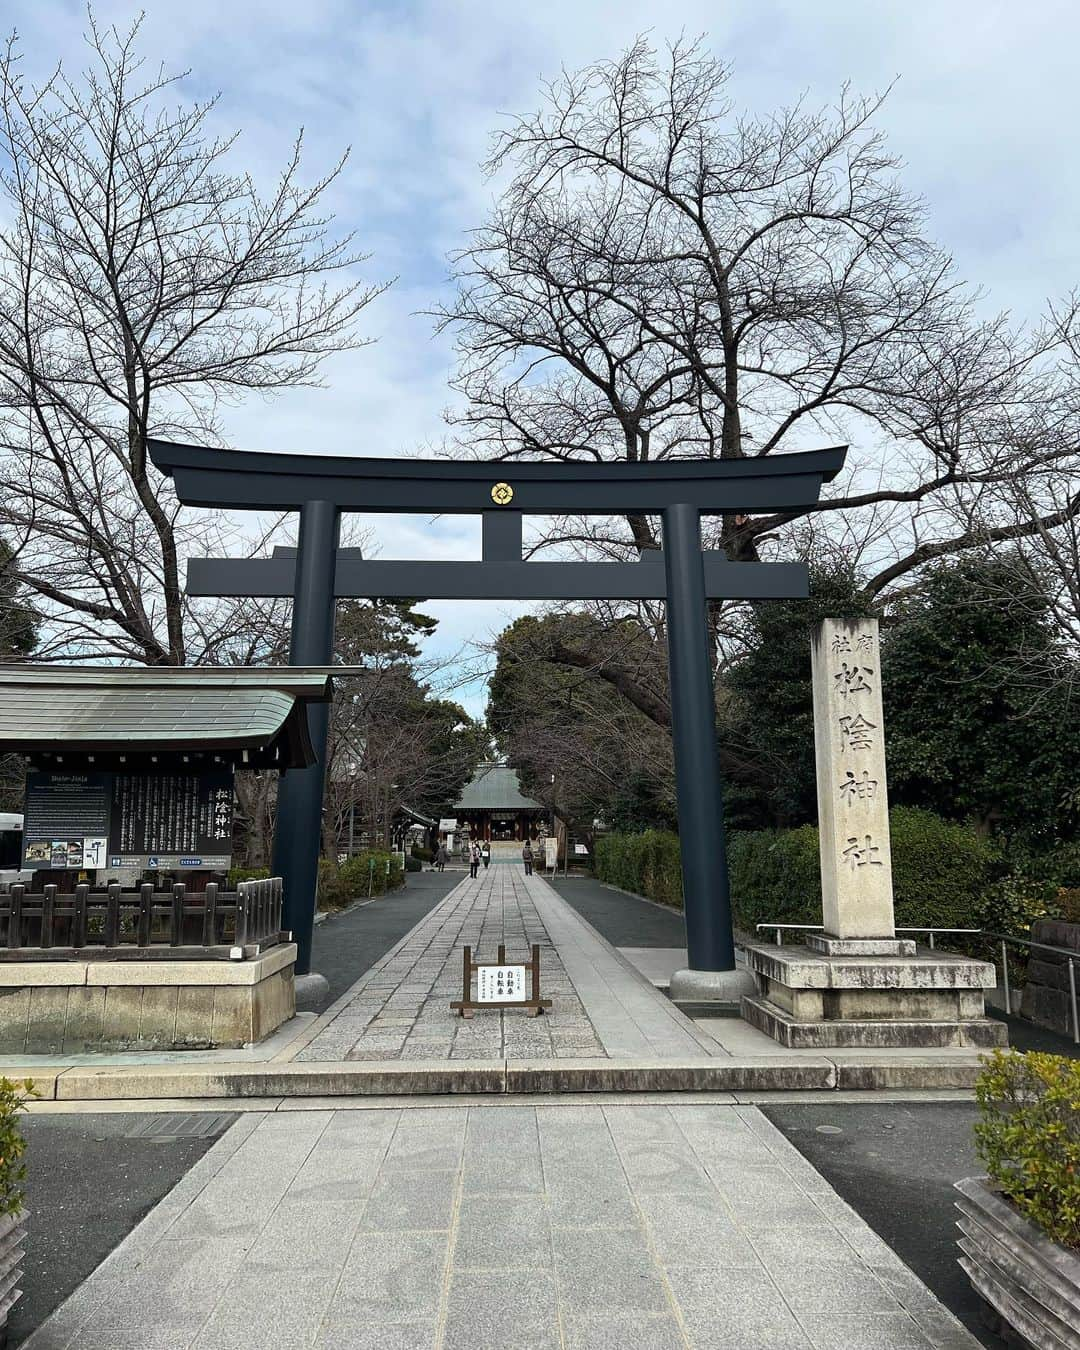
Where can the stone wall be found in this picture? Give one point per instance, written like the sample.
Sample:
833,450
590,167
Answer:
74,1007
1046,998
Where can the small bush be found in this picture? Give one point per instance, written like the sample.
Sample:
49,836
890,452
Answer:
1067,903
1028,1137
413,864
13,1098
1012,904
423,854
363,873
239,874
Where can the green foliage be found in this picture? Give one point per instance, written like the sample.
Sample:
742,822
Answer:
775,876
965,736
413,864
1012,904
13,1099
341,884
238,874
559,706
646,864
940,873
1028,1137
422,854
766,716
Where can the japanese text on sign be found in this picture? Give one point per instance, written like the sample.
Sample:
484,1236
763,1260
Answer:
500,984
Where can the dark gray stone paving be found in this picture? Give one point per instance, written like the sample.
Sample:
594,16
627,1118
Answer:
624,920
463,1228
346,945
87,1186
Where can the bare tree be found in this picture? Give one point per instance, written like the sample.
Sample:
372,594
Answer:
144,282
663,277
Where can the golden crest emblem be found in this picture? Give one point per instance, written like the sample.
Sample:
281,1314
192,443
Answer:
502,494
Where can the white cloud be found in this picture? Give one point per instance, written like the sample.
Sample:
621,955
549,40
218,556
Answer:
984,114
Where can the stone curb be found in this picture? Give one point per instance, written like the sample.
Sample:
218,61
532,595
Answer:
766,1073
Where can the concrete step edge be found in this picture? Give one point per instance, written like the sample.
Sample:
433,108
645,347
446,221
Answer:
783,1073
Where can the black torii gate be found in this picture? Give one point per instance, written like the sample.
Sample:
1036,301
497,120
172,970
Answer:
321,487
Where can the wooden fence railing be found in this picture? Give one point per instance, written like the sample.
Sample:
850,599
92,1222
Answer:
116,924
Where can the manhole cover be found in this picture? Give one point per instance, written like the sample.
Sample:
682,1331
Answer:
181,1125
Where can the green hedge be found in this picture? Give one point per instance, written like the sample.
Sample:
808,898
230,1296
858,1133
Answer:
647,864
341,884
942,873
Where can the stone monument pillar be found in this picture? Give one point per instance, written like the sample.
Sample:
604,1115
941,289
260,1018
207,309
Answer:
853,800
857,984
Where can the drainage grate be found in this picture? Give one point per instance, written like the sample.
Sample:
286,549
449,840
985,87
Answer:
167,1125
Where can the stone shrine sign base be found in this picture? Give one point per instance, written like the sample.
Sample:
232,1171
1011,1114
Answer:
858,985
834,995
98,1006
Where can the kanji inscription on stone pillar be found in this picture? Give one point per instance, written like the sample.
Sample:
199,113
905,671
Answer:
853,805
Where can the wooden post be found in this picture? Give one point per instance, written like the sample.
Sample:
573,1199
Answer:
145,920
177,936
466,1000
209,929
78,933
15,919
48,913
112,915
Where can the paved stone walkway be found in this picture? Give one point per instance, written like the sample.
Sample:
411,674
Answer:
577,1227
602,1008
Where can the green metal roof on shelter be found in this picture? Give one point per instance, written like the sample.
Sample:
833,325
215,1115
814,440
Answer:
495,787
245,715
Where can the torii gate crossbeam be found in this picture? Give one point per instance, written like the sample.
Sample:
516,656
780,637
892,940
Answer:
321,487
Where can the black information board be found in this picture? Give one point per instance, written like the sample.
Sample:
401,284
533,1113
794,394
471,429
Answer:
107,820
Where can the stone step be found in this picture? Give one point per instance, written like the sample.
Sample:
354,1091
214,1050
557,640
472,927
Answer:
977,1033
778,1072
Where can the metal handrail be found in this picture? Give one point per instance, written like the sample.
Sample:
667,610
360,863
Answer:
1004,939
820,928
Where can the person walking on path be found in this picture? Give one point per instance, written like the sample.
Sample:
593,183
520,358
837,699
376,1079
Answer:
440,858
474,860
527,858
485,853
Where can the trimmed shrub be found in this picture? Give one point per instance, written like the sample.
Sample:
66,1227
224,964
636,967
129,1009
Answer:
13,1099
646,864
775,876
422,854
941,873
413,864
1028,1137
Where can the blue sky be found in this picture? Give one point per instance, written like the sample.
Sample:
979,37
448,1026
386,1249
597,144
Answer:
984,114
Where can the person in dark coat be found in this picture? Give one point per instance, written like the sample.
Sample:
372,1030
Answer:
474,860
527,857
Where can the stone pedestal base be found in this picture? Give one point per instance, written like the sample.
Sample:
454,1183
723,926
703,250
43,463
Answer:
810,1000
73,1007
725,988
